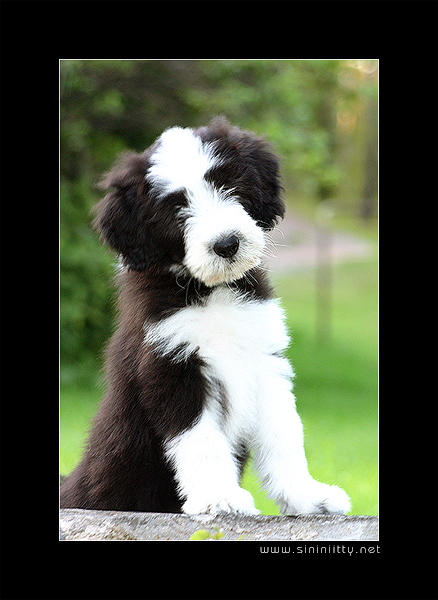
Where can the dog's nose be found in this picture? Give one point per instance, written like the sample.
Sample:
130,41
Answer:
226,247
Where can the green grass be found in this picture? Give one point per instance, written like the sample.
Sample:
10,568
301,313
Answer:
77,407
335,387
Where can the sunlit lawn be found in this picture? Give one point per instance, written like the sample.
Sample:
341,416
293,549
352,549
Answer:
335,387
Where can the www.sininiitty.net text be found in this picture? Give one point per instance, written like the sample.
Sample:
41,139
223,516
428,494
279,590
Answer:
332,549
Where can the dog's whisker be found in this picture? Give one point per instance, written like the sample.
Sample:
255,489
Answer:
187,290
279,230
270,253
288,246
266,269
251,278
178,283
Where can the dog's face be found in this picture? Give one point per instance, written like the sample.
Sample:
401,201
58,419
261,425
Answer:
197,201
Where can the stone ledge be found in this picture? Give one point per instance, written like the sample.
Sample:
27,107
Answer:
96,525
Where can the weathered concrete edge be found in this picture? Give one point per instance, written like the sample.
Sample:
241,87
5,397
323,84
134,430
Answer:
94,525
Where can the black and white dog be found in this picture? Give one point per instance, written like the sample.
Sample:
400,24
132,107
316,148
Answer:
196,371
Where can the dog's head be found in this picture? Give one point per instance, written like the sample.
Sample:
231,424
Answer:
197,201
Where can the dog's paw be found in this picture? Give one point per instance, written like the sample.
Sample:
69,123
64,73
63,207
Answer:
332,500
317,498
236,500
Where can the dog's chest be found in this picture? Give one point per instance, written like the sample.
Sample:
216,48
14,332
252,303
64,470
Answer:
234,336
234,331
240,342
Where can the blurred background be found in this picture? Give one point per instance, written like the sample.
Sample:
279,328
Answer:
322,118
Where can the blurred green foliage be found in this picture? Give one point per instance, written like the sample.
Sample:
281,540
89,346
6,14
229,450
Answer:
312,110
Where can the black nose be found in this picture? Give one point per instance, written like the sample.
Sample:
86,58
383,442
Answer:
227,247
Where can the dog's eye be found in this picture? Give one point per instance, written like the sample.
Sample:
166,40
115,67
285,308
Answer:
177,199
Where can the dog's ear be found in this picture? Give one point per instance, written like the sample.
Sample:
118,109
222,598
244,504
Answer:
267,205
124,213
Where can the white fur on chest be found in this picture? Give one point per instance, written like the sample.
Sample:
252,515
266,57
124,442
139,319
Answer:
239,340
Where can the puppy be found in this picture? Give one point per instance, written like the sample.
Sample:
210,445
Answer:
196,371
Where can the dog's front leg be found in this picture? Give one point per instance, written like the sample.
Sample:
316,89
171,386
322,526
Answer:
205,470
280,459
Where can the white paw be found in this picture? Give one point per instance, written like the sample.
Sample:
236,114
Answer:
236,500
316,498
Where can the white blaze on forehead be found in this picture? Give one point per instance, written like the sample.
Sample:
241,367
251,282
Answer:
180,161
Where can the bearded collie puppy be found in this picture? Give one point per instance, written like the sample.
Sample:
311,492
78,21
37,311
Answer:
196,373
